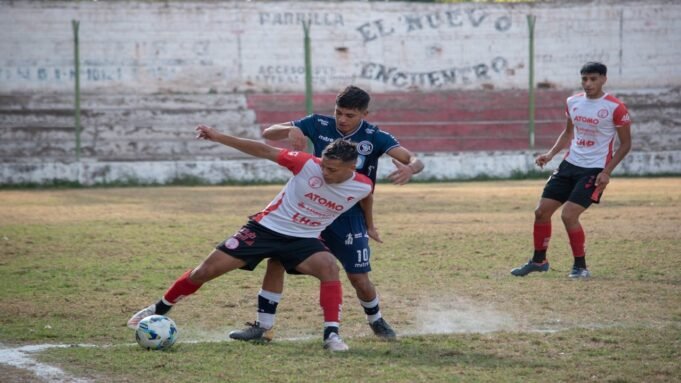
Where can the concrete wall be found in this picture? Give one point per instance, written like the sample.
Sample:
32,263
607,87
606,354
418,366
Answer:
201,46
447,79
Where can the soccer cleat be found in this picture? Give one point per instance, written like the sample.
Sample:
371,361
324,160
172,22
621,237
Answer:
530,267
579,272
253,333
382,329
145,312
335,343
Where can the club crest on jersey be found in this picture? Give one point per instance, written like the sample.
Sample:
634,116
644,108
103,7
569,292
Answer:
315,182
365,148
603,113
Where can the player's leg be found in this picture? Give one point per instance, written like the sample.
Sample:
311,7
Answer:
541,231
368,298
541,234
216,264
270,293
583,195
570,216
556,191
348,240
268,300
322,265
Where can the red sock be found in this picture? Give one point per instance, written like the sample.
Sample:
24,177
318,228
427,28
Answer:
182,287
331,300
542,235
577,239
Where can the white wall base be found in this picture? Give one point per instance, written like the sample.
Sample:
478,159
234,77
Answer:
438,167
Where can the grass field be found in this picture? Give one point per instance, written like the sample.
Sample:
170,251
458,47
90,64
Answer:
75,264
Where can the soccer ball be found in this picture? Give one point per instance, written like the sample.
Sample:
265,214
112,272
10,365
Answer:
156,332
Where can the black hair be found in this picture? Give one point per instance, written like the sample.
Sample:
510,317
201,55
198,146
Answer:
353,97
341,149
594,67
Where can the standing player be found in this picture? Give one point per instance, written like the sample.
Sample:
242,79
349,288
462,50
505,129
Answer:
287,229
348,236
594,118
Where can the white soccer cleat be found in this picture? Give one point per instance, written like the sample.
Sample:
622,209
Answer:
145,312
579,273
335,343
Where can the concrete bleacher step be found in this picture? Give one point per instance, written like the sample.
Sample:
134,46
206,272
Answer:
121,127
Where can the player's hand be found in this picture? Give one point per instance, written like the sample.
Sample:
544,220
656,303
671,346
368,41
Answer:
402,174
373,234
297,139
602,180
204,132
542,160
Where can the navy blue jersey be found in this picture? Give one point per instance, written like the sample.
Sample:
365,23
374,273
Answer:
371,144
371,141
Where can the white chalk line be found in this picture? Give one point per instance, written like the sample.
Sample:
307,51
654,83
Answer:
21,357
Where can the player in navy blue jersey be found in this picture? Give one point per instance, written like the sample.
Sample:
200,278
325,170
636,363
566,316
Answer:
348,236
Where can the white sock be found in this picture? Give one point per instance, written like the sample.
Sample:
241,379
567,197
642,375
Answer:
266,320
274,297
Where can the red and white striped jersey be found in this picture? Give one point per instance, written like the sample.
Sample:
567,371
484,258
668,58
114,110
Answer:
307,204
595,127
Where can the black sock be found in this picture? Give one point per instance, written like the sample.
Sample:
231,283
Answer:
539,256
329,330
162,308
371,310
580,262
267,306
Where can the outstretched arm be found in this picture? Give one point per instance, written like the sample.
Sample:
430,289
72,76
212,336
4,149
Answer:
406,165
252,147
295,136
562,142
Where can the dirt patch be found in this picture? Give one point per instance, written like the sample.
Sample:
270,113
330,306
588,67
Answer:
9,374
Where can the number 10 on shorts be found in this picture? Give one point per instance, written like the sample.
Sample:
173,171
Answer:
363,255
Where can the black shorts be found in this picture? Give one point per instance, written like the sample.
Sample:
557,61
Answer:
573,183
254,242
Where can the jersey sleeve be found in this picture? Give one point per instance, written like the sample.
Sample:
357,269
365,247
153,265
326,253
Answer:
621,116
293,160
365,180
567,110
386,141
366,183
306,125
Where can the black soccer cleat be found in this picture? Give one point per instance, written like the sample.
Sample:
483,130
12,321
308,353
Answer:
530,267
253,332
382,329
